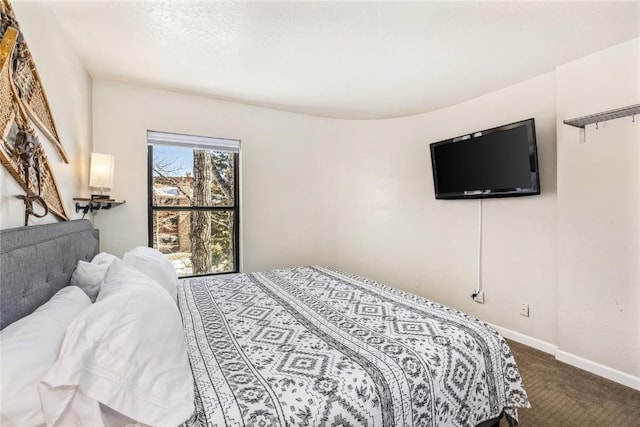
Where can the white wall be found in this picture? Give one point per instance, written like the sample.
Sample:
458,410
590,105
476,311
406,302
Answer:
68,88
391,227
286,168
599,211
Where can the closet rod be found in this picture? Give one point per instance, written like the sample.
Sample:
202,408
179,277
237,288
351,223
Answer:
581,122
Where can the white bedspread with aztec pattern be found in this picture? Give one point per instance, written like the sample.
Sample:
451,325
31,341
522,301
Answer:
312,346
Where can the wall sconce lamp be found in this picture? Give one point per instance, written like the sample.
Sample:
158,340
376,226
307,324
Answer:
100,176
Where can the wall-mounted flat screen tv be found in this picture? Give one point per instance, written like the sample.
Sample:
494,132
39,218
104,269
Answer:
498,162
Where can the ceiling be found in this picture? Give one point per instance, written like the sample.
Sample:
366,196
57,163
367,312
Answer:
341,59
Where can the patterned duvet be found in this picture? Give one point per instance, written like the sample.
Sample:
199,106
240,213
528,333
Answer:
312,346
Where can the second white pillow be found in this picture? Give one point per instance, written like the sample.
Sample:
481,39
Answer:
156,265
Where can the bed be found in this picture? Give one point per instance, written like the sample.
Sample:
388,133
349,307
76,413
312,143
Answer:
307,346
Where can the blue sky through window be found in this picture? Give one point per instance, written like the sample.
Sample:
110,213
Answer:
179,159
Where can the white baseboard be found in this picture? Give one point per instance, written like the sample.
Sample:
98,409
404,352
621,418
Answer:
571,359
599,369
527,340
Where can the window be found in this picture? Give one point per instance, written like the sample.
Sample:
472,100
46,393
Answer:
193,202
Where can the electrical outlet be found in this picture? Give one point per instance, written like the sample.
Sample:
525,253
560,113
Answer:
524,309
479,298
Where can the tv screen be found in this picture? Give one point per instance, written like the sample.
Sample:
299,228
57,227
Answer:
498,162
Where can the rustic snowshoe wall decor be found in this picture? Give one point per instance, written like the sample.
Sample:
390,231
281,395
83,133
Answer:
23,103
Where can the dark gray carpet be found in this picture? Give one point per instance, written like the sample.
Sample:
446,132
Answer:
564,396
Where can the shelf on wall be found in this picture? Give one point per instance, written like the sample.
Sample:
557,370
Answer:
581,122
94,204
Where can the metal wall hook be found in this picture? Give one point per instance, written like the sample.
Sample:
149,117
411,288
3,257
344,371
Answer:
596,125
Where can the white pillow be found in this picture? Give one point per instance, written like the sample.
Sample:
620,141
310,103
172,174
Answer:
88,276
156,265
28,349
104,258
125,351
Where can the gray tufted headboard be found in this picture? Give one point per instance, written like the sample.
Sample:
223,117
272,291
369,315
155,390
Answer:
36,261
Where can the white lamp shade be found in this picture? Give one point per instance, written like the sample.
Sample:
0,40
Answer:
101,170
